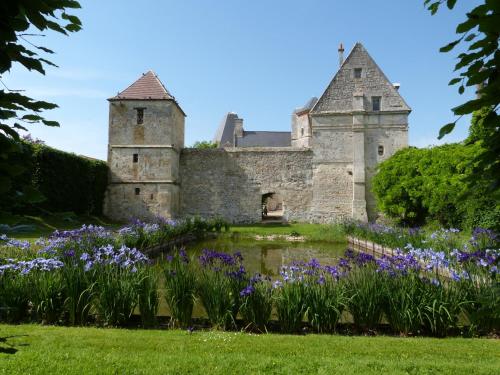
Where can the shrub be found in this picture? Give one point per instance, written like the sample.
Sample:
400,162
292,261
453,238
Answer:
180,287
436,183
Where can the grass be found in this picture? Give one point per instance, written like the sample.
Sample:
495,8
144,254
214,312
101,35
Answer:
58,350
311,232
44,225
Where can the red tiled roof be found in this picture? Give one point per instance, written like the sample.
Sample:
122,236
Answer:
146,87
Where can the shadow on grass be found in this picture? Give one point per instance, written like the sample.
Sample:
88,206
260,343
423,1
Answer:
6,347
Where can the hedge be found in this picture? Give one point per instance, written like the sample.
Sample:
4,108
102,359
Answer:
68,182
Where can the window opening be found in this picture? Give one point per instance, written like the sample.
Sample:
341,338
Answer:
381,150
140,116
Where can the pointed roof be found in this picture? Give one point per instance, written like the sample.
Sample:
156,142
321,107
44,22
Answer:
148,86
338,96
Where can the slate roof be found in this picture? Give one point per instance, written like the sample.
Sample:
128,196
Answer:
264,139
147,87
225,132
307,107
338,96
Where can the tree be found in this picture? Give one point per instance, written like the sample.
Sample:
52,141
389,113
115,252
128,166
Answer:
478,66
204,144
417,185
18,20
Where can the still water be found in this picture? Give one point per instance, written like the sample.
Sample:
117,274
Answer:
265,257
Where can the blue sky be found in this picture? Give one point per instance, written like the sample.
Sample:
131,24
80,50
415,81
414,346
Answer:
258,58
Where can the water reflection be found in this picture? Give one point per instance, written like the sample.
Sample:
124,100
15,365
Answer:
268,257
265,257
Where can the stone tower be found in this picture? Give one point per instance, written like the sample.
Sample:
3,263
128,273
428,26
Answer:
359,121
146,135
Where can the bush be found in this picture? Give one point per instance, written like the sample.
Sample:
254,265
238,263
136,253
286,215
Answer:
66,181
436,183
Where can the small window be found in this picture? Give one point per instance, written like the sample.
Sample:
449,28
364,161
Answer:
137,191
380,150
152,196
301,132
376,103
140,116
357,72
136,158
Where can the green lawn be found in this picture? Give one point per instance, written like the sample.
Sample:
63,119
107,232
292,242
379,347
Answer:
59,350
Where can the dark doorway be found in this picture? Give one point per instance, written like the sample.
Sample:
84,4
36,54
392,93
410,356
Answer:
272,206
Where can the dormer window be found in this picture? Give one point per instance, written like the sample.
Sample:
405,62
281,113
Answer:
376,103
140,115
357,72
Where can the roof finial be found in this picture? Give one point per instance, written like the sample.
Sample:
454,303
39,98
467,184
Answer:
341,54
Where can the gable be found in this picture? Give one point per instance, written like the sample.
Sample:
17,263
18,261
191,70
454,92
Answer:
338,96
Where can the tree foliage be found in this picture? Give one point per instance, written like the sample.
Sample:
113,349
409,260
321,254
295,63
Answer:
204,144
418,185
478,66
19,20
67,182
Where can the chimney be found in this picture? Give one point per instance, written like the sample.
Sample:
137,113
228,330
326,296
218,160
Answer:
238,127
341,55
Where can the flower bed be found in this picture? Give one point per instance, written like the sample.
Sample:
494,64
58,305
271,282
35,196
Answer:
91,276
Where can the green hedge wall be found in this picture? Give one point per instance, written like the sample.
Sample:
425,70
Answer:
68,182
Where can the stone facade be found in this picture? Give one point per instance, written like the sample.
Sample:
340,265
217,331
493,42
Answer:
231,182
322,175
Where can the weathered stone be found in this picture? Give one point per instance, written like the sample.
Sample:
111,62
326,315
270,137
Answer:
336,144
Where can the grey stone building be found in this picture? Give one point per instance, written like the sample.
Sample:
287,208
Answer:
320,171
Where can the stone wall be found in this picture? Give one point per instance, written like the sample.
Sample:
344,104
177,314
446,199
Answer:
147,185
230,182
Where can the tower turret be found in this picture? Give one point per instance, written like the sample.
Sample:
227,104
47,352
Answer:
146,135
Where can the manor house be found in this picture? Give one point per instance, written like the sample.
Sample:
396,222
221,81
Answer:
320,171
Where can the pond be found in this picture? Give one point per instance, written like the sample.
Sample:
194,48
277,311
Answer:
265,257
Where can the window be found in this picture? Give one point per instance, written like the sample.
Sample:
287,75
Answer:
301,132
376,103
357,72
380,150
136,158
137,191
140,116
